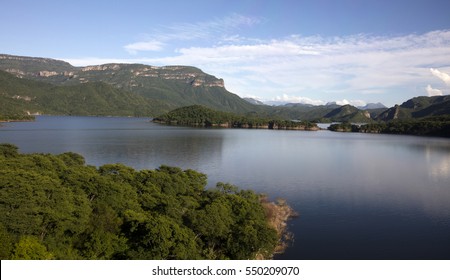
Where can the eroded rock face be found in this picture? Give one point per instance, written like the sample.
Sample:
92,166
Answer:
47,73
101,67
42,68
180,73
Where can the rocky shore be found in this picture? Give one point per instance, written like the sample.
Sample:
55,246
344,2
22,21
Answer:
278,214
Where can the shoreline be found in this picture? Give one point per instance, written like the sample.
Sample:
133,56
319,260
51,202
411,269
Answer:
30,119
278,213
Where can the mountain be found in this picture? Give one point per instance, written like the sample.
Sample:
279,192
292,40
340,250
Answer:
25,66
418,107
253,101
20,96
173,86
348,113
371,106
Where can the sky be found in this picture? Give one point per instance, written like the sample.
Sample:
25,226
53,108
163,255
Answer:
318,51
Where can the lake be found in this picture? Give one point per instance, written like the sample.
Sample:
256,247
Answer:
359,196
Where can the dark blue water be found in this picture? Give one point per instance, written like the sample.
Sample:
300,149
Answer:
359,196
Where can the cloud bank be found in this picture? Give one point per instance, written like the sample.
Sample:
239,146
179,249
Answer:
310,69
209,30
354,67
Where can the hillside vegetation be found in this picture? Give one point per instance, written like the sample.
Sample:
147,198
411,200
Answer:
418,107
57,207
22,97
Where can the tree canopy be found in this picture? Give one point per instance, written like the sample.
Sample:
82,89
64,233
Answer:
57,207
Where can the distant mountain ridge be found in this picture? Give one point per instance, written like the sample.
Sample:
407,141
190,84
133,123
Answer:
370,106
418,107
43,85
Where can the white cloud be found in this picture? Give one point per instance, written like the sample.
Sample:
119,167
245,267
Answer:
354,63
312,67
296,99
355,103
219,28
144,46
441,75
433,92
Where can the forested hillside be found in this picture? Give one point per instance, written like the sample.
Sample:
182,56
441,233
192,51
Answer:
57,207
21,97
418,107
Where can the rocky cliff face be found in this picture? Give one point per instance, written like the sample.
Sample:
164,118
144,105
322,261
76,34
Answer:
32,65
61,72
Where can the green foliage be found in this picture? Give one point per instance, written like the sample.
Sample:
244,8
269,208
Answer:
18,97
344,127
347,113
6,243
57,207
30,248
8,150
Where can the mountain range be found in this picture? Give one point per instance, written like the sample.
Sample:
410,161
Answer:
30,85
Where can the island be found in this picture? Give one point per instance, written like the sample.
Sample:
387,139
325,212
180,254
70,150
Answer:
201,116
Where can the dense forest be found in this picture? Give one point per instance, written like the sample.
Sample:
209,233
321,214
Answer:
431,126
197,115
21,97
57,207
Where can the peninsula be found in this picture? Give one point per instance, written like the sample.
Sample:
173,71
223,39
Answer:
58,207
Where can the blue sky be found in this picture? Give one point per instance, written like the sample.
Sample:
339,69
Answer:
292,51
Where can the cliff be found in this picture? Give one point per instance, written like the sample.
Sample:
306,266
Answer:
164,87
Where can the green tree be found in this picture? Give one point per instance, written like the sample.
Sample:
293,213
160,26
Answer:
8,150
30,248
158,237
6,243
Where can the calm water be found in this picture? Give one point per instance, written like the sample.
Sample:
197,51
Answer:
359,196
